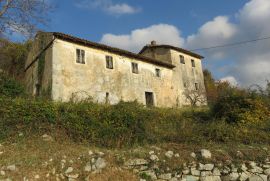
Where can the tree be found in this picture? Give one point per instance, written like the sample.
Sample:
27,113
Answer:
22,16
13,56
210,86
195,95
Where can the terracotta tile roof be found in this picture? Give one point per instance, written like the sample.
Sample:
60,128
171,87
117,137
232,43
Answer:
174,48
118,51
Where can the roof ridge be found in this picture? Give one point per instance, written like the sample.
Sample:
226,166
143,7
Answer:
174,48
111,49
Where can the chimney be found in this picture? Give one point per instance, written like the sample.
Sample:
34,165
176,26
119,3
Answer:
153,43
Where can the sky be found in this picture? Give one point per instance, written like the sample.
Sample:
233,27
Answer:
190,24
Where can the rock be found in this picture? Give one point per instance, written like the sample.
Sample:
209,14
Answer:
154,157
267,172
169,154
256,170
233,168
193,155
2,172
252,164
149,173
73,176
244,176
210,178
177,155
143,167
1,152
195,172
90,153
151,152
186,171
207,167
93,160
20,134
266,166
136,162
46,137
11,168
216,172
174,179
69,170
101,153
239,154
258,178
190,178
166,176
100,163
88,167
206,173
37,177
244,167
206,154
94,168
233,176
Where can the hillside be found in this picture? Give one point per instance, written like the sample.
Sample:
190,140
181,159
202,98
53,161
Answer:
82,140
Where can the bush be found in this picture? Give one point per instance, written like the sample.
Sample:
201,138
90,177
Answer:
238,106
123,125
9,87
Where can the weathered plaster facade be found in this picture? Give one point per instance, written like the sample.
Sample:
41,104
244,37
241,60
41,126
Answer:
63,78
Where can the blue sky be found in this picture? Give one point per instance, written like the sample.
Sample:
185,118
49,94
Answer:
191,24
92,23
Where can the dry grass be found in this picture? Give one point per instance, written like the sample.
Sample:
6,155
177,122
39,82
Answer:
32,156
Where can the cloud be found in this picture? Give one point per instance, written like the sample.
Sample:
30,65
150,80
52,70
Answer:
229,79
162,33
249,63
215,32
108,6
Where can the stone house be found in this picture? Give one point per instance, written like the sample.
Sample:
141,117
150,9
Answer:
62,67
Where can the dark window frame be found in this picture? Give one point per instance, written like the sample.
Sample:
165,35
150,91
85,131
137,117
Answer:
193,63
158,72
80,56
182,59
109,62
135,68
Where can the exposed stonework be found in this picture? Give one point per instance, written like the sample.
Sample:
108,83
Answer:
61,78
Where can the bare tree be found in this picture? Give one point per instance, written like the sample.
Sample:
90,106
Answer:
195,95
23,16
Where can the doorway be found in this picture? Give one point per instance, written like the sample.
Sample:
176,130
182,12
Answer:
149,99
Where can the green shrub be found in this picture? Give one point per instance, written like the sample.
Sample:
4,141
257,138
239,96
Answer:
241,107
9,87
125,124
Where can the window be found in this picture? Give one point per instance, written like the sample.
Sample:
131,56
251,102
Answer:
80,56
196,86
134,68
158,72
109,62
192,63
182,59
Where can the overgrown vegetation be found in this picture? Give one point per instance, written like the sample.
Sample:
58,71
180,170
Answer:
9,87
234,116
13,57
